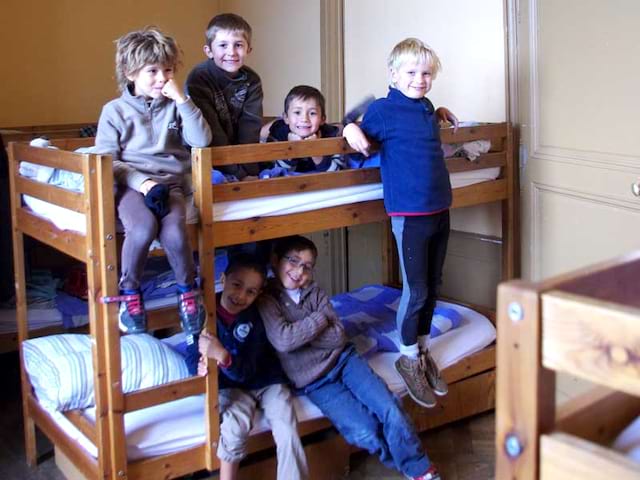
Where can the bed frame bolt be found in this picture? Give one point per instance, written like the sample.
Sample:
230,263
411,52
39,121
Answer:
109,237
512,446
121,473
515,311
110,268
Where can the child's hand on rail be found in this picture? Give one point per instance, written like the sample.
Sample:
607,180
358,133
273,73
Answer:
210,347
446,115
356,139
173,91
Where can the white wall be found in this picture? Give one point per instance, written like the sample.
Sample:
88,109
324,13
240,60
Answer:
468,36
286,45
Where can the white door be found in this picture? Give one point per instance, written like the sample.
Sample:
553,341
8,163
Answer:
578,71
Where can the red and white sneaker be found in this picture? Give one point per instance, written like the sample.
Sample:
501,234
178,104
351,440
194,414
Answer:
431,474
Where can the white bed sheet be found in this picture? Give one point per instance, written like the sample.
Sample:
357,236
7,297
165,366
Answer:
65,219
36,318
182,424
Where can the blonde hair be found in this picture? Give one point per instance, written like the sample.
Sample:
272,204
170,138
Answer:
416,50
140,48
229,22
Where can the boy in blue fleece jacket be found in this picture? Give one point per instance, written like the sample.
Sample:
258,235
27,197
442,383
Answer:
417,197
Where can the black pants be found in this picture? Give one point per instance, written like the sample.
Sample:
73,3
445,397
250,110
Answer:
422,247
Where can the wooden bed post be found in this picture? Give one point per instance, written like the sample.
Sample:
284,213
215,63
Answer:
525,405
201,166
511,210
21,311
102,279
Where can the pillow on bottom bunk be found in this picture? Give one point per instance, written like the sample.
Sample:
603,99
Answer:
60,367
369,317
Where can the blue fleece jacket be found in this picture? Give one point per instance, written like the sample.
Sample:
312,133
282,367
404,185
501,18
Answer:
414,174
254,361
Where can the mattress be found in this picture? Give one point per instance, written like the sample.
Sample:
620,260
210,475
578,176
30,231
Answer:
65,219
180,424
333,197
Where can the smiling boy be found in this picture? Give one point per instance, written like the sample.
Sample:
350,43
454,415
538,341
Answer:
304,119
228,93
250,376
311,344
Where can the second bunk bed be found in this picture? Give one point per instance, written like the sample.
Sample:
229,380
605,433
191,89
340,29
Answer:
99,442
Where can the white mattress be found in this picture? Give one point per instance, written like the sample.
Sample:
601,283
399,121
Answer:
65,219
179,425
36,318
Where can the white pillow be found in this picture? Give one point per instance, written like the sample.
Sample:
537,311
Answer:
61,370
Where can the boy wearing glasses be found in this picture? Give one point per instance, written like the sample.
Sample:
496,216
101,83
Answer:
313,350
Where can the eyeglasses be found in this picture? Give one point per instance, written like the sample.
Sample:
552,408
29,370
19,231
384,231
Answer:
295,262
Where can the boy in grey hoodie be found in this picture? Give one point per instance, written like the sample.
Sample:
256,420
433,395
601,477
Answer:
145,130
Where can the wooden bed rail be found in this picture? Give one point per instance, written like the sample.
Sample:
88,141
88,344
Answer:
240,231
584,324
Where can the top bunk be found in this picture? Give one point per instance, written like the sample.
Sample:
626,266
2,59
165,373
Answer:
257,210
329,200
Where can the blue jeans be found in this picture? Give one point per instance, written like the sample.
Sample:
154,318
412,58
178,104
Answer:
367,414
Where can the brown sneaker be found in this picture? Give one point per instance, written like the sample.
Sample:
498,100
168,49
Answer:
432,374
414,377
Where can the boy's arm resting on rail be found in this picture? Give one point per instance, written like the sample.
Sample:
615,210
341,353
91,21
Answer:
210,347
284,335
333,336
446,115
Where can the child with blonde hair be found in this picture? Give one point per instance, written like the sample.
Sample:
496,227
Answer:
417,197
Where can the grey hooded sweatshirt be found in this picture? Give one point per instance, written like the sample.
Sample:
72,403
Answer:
147,139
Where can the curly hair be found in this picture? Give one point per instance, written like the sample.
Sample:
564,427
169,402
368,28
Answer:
140,48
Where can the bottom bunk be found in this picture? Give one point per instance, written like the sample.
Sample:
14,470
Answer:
462,346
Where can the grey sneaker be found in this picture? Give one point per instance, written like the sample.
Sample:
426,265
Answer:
432,373
131,315
191,310
413,375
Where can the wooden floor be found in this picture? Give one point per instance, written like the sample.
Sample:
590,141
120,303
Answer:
462,451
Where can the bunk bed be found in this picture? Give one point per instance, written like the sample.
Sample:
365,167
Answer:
471,379
584,324
43,321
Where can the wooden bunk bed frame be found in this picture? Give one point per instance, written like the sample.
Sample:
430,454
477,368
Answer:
584,324
471,380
